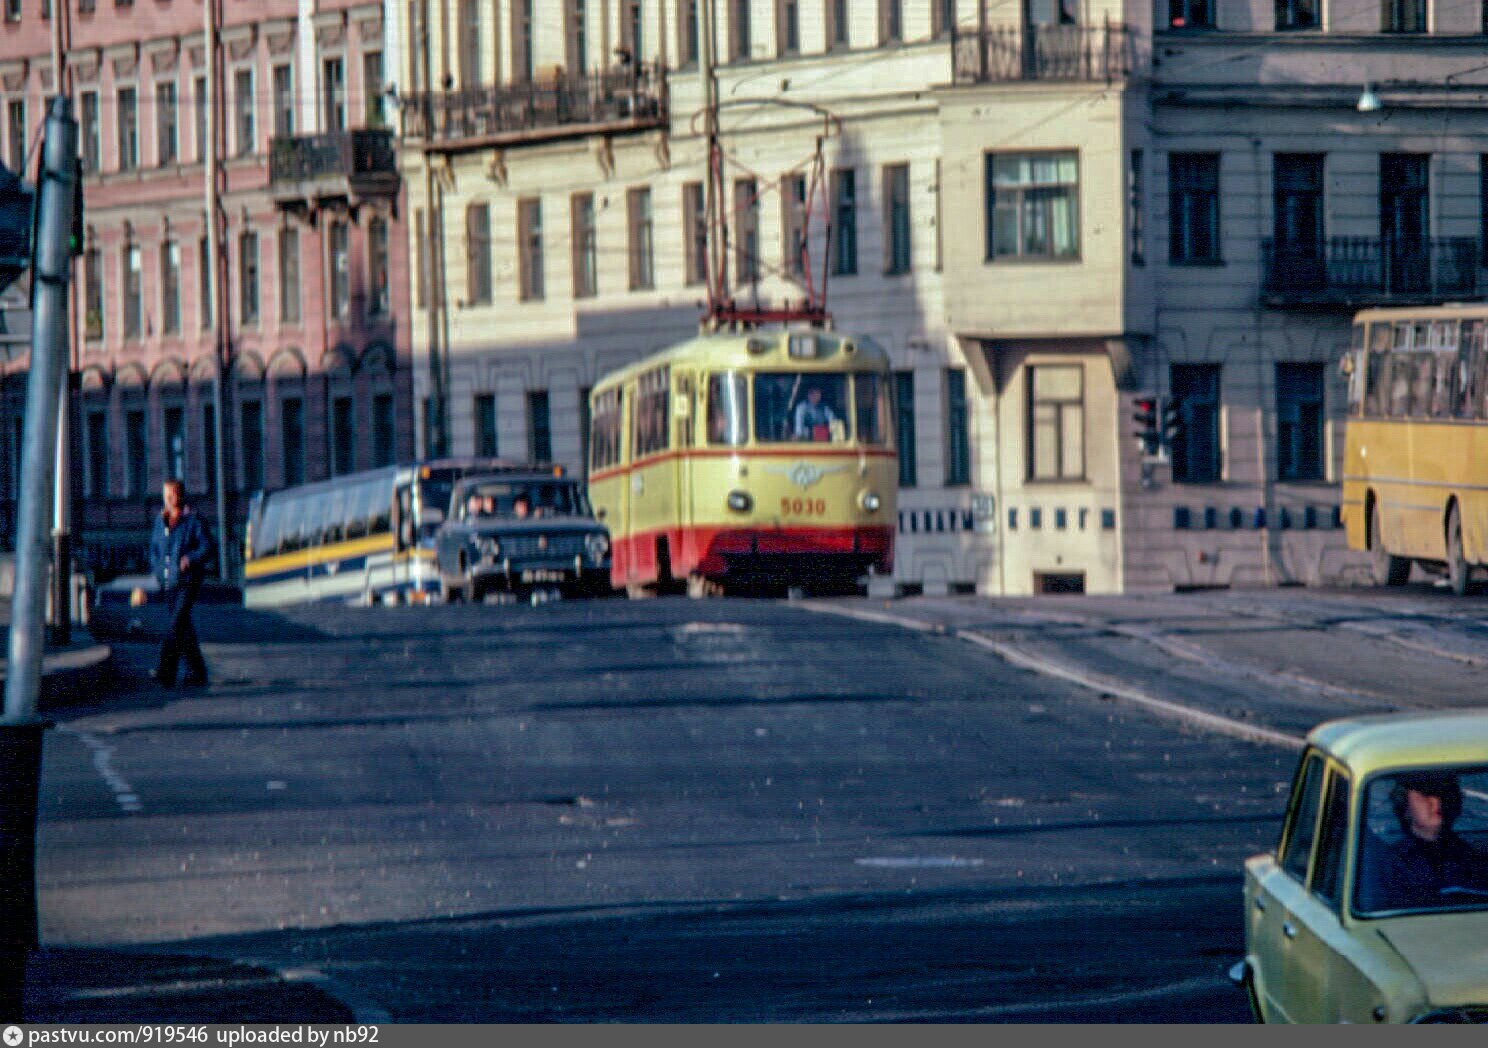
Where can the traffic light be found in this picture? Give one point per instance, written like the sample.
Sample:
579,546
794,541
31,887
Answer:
1148,437
75,238
17,207
1172,422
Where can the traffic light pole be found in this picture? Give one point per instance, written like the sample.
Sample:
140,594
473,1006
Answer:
20,730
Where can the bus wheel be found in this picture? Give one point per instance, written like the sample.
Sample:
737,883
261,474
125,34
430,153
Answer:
1459,572
1388,570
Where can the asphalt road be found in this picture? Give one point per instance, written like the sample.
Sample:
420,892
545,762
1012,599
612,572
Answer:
660,811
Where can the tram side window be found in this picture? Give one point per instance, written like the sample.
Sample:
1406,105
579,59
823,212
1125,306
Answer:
653,399
727,409
604,438
870,408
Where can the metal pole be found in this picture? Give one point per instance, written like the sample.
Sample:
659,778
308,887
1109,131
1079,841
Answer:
60,626
214,287
20,731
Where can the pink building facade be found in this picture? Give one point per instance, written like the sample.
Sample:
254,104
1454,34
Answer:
312,319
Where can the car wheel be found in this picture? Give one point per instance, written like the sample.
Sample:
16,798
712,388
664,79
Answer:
1387,569
1459,571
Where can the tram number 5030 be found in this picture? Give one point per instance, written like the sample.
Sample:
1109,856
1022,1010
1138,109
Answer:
804,507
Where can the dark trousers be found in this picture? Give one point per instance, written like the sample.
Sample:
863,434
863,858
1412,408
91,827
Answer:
180,637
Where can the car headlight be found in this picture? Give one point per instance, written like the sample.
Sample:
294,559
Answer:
740,501
870,501
598,545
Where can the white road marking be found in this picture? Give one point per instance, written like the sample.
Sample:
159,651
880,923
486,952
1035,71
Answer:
125,795
918,862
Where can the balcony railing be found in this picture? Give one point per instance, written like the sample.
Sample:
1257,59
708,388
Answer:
355,164
1362,271
1091,53
625,97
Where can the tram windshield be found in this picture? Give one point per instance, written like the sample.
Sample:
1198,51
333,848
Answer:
799,406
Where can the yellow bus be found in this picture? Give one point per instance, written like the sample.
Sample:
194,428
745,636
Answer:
761,457
1415,478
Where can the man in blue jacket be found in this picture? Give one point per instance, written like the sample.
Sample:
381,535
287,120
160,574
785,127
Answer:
180,547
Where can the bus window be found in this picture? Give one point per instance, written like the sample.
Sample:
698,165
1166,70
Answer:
266,535
1402,336
1444,335
797,406
334,529
377,505
289,525
1468,365
405,517
1443,395
1421,337
870,410
313,525
1423,377
1376,370
727,410
1401,372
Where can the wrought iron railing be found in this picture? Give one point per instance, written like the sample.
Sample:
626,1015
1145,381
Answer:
626,95
1352,271
358,153
1044,52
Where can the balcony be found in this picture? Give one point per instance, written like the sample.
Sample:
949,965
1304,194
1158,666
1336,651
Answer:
1353,272
350,165
627,98
1071,53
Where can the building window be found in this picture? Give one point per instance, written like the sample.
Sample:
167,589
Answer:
289,276
742,39
292,439
788,26
96,482
904,427
175,443
430,429
1195,447
372,89
1297,218
284,100
844,223
243,113
136,479
209,448
343,437
128,104
1191,14
1135,199
470,44
383,433
133,292
1405,220
695,233
530,256
93,294
252,447
642,258
1299,421
338,246
199,115
585,246
90,135
578,37
248,278
15,127
942,17
12,10
746,230
1297,14
793,224
957,431
1404,16
421,259
170,287
890,21
333,93
1056,422
1193,208
539,435
838,25
205,294
896,218
478,254
166,144
485,425
1032,208
377,266
687,32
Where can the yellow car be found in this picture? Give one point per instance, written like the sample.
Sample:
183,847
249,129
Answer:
1374,906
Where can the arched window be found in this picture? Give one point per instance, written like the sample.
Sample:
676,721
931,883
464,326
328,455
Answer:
287,395
248,396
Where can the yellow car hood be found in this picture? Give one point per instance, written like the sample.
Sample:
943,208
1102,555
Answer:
1447,951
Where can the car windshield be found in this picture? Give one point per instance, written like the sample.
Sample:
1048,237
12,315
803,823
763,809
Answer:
797,406
1423,842
521,500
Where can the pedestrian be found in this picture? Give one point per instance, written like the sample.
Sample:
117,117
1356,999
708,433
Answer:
180,548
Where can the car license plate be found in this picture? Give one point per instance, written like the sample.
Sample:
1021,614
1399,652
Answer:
543,575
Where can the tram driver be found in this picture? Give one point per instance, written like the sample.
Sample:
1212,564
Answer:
813,418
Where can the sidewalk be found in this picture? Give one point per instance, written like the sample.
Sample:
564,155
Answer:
73,673
117,986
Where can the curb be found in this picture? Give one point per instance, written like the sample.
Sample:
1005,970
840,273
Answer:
72,676
364,1011
1023,659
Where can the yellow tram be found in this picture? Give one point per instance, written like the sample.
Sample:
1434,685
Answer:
755,457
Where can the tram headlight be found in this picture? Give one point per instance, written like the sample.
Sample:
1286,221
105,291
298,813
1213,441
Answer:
870,501
598,545
740,501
